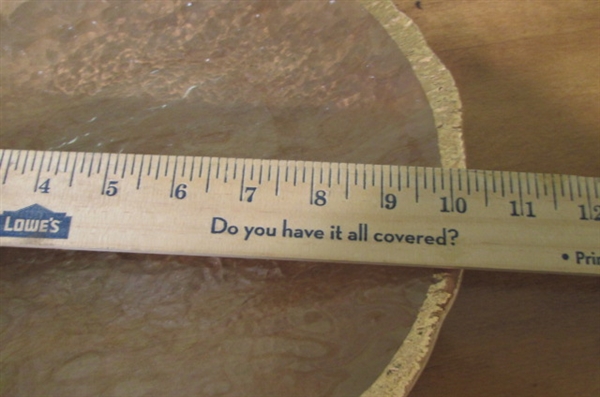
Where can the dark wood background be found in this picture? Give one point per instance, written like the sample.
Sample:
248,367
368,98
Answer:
528,72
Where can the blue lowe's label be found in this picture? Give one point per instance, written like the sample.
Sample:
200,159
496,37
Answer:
35,221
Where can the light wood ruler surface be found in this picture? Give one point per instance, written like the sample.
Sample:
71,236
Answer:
299,210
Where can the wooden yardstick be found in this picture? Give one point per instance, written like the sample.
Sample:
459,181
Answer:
300,210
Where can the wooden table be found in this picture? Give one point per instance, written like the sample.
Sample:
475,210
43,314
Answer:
528,72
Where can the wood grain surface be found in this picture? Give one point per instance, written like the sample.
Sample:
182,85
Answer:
528,72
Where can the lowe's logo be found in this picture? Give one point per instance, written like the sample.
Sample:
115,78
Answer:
34,221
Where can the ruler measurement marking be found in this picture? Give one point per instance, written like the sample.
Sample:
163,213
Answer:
235,163
166,165
277,181
184,165
99,164
50,161
173,179
312,184
116,164
89,168
570,180
359,168
150,168
589,201
451,183
295,173
562,187
16,163
218,159
425,178
399,178
416,185
150,165
434,181
304,164
537,187
381,191
201,167
304,172
243,181
208,175
135,156
139,178
57,162
35,153
554,198
218,167
17,160
82,161
4,151
320,174
65,168
260,171
521,204
485,188
73,170
347,193
372,176
158,167
192,166
124,166
26,161
105,175
469,182
8,168
269,172
287,170
227,171
251,171
363,175
37,179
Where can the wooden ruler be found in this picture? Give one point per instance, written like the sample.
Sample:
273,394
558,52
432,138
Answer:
300,210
